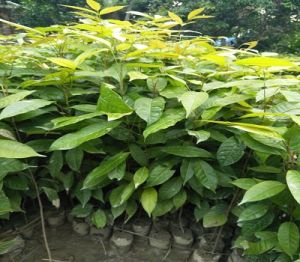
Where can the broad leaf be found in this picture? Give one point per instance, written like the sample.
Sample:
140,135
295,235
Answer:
230,152
14,149
106,166
140,176
206,175
85,134
263,190
293,182
99,218
169,118
112,104
288,237
149,109
149,199
186,151
159,175
22,107
192,100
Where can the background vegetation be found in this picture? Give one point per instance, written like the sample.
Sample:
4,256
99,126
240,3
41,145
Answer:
274,23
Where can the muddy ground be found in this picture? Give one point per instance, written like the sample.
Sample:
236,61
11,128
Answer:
162,242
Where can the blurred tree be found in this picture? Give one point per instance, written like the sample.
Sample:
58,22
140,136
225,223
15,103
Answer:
275,23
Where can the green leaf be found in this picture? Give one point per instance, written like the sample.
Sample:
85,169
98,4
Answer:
74,158
118,173
170,188
216,216
159,175
186,151
201,135
293,182
244,183
5,206
162,208
72,140
112,104
140,176
149,109
14,149
149,199
156,84
134,75
187,170
22,107
191,100
106,166
99,218
131,209
52,196
127,192
7,100
253,212
169,118
56,163
230,152
206,175
179,199
70,120
80,211
138,154
288,237
263,190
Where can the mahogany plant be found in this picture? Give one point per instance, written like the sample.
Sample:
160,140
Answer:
141,115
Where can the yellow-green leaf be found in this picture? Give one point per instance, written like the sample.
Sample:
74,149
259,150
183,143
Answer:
112,9
265,62
94,5
194,13
149,199
176,18
63,62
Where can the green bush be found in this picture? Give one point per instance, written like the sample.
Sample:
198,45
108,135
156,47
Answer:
176,122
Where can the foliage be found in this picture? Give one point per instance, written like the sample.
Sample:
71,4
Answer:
122,116
275,24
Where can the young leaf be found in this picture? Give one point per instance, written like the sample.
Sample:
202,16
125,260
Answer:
149,109
288,237
263,190
149,199
99,218
63,62
293,182
265,62
106,166
192,100
134,75
230,152
194,13
94,5
111,9
175,17
140,176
